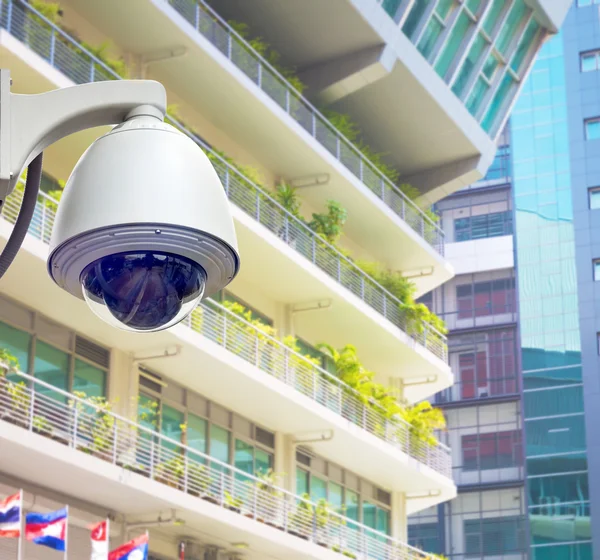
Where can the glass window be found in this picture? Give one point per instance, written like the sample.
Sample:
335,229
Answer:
219,444
376,518
301,482
244,456
477,96
196,433
430,36
425,536
318,488
336,497
251,459
490,66
263,461
52,366
455,40
148,412
594,199
89,379
597,270
592,129
525,45
499,100
17,343
511,26
474,6
443,8
582,3
172,424
493,536
493,16
484,226
496,450
352,505
469,64
414,17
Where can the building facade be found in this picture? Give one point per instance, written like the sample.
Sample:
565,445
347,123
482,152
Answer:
235,432
554,189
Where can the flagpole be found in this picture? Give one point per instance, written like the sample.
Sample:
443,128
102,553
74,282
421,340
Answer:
66,531
107,536
21,526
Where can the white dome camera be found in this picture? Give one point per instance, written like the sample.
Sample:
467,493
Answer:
143,231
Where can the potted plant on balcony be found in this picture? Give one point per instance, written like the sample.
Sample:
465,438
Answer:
171,472
197,479
18,403
347,553
233,503
41,426
301,519
269,497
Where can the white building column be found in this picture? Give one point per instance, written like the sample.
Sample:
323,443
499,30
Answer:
285,461
123,384
399,521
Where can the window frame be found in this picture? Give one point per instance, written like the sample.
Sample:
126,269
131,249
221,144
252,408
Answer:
309,473
583,54
233,434
596,270
71,353
592,191
586,123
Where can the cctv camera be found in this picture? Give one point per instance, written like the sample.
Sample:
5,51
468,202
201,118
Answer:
143,231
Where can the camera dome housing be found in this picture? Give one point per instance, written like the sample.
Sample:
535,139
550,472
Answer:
143,227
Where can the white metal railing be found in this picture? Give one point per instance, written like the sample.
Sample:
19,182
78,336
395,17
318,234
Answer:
223,327
213,27
80,424
63,52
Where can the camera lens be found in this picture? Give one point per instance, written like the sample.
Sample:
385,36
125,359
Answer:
143,291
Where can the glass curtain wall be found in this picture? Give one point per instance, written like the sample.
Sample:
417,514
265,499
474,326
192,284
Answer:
555,450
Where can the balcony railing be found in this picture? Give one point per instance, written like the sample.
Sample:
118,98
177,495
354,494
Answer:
220,34
47,40
79,424
223,327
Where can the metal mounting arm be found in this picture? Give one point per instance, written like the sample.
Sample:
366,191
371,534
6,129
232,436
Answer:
31,123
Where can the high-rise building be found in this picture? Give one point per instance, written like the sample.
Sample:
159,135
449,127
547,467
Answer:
235,432
533,458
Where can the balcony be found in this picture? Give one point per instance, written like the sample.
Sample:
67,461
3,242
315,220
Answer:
304,397
124,467
261,105
362,300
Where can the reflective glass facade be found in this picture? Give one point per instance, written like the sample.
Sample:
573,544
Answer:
499,38
553,404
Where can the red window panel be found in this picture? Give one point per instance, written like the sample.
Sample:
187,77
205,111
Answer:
466,368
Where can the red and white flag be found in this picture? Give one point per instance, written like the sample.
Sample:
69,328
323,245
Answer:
100,540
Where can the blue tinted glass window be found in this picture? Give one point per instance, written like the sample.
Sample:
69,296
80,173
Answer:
477,96
452,46
511,26
17,343
469,64
493,536
430,36
592,129
414,17
594,198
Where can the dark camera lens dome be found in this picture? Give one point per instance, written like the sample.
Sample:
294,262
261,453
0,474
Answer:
143,291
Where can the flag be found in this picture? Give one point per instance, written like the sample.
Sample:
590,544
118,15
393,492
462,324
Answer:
47,529
99,537
137,549
10,517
